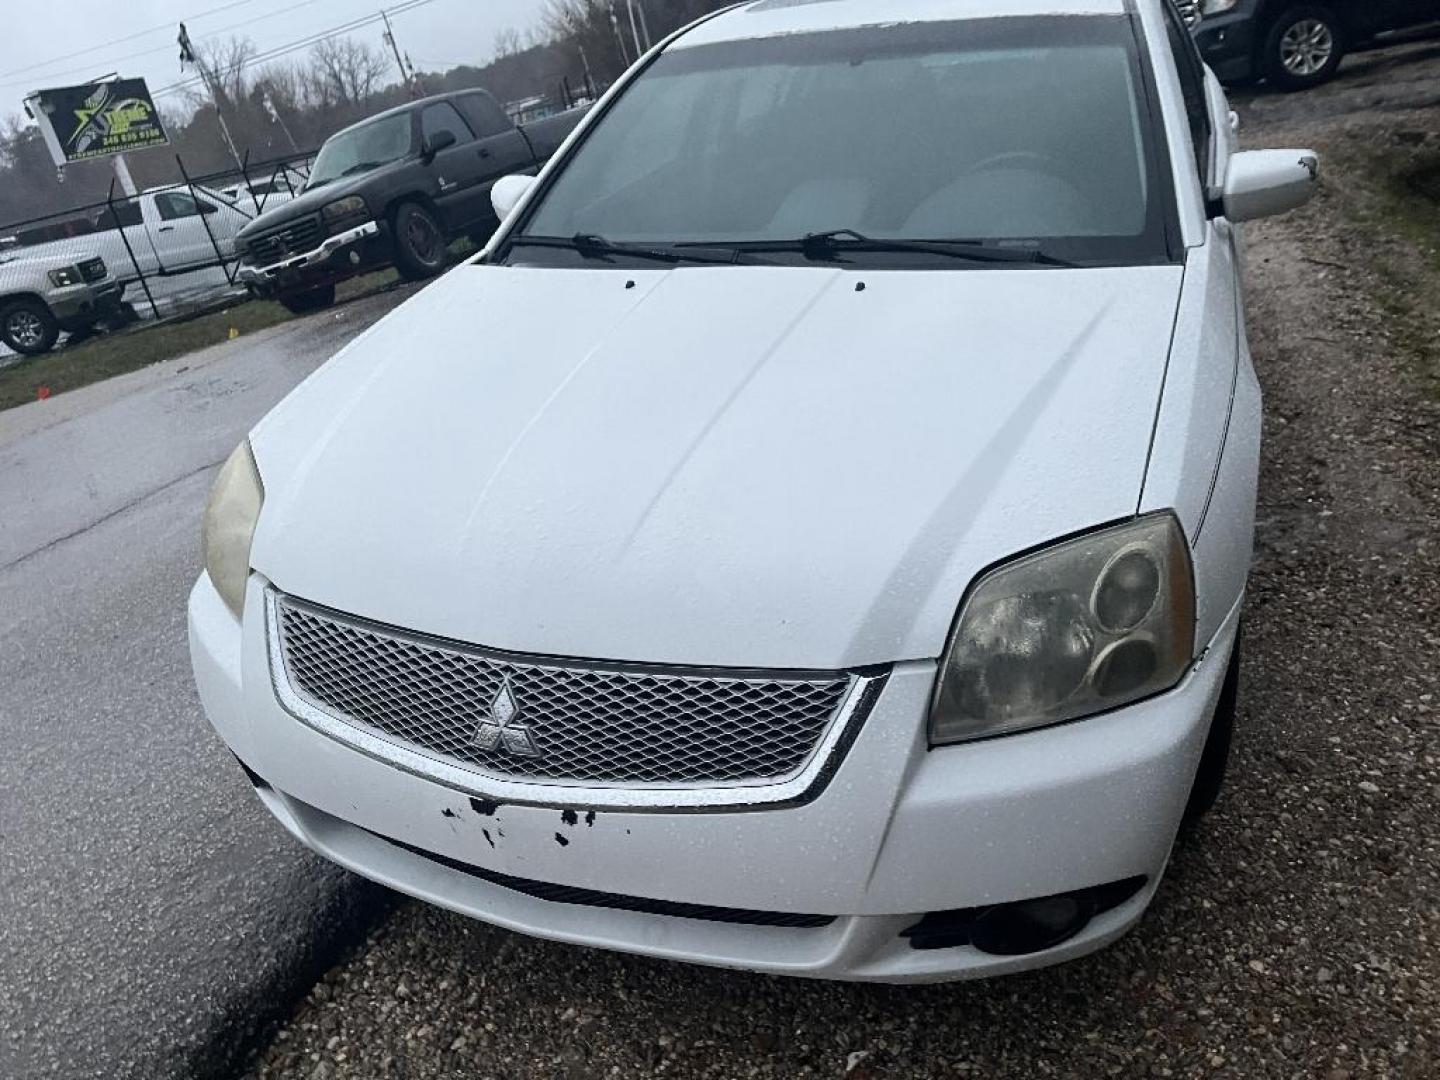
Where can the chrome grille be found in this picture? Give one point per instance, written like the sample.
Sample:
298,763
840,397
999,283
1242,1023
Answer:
577,723
292,238
93,269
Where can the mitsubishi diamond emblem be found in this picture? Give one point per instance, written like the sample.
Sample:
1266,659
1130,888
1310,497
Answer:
501,726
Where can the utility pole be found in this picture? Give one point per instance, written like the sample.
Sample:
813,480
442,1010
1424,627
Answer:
619,37
189,56
406,76
275,115
589,78
644,25
634,30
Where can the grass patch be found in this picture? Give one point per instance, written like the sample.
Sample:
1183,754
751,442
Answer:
146,344
1395,191
137,347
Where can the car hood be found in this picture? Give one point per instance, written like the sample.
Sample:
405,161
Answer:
752,467
307,202
21,260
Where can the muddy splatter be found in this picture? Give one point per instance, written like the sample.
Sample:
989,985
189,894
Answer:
488,840
484,806
590,819
560,839
447,812
568,817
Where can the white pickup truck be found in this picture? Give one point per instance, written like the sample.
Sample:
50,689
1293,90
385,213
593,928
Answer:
176,240
43,293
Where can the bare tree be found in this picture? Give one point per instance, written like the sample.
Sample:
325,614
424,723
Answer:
508,43
345,71
226,62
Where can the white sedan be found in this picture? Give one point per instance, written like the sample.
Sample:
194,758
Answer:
812,536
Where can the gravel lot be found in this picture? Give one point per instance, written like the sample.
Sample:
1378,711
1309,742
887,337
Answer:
1298,930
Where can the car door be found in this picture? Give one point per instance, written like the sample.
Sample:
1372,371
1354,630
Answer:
182,237
456,171
502,149
1398,13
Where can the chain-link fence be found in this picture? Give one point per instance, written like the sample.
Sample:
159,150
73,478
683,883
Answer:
164,252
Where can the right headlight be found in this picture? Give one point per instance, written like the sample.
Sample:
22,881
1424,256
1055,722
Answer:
1215,7
66,275
345,211
229,526
1075,629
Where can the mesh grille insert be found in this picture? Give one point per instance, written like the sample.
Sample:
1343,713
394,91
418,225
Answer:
525,718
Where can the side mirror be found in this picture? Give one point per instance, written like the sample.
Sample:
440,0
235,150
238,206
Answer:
507,192
1263,183
437,142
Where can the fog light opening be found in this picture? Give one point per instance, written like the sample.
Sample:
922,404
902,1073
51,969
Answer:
1031,926
1022,927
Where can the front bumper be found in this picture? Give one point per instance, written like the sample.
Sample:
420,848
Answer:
898,832
80,305
1228,45
335,258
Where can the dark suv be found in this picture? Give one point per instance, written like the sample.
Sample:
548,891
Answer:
1295,45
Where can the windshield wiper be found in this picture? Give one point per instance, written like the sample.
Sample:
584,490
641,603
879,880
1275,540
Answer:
598,247
831,244
363,166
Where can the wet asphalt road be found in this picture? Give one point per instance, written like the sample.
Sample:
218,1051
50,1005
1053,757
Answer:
151,909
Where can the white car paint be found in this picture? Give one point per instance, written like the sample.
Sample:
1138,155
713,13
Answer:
735,499
756,467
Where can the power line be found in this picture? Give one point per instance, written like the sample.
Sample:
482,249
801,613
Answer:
118,61
303,43
120,41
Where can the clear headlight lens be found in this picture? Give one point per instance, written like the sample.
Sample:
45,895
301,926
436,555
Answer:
1084,626
350,208
66,275
1216,7
229,526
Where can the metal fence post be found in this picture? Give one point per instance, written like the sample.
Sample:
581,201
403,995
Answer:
204,220
245,177
120,228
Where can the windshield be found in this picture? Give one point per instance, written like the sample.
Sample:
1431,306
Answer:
1010,132
359,148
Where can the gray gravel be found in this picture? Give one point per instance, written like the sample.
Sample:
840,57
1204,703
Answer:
1298,930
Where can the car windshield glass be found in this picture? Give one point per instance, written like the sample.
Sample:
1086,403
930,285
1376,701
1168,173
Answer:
1009,132
365,147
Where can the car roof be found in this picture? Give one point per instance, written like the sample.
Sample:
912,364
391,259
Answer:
770,18
412,106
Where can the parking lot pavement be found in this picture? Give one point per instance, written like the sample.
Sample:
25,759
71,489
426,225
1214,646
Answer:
1297,933
153,917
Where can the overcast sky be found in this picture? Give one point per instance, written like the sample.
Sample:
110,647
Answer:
63,42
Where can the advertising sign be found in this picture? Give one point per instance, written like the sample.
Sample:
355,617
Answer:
96,119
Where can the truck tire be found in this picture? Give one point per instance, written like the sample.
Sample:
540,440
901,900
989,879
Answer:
304,301
1303,47
420,245
28,326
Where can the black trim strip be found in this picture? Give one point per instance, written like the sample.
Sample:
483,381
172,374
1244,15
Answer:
569,894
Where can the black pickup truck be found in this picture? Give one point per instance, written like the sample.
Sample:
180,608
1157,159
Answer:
394,188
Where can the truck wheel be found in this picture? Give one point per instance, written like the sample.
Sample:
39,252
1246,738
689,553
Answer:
419,242
304,301
27,326
1304,47
1215,758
